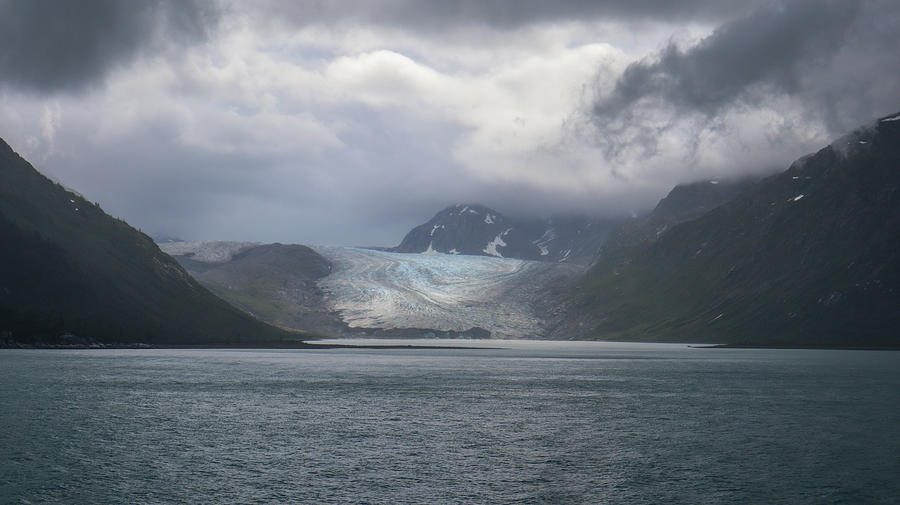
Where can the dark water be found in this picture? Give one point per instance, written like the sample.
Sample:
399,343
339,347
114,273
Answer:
538,423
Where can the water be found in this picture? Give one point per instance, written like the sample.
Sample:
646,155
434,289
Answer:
533,423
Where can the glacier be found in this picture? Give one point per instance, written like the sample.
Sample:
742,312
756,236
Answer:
442,292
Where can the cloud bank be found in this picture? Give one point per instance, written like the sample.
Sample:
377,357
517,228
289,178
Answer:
348,122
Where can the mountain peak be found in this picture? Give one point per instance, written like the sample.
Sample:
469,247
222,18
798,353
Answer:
475,229
468,210
690,200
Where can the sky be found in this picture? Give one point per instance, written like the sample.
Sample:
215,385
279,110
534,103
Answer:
348,122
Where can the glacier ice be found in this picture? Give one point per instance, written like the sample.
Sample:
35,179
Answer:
444,292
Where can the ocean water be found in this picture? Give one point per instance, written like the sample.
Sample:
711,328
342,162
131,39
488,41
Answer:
530,423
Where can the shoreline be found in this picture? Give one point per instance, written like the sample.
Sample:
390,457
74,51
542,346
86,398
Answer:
301,345
261,347
796,347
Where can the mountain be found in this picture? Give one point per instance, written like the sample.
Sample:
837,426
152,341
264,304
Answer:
684,202
807,257
71,273
278,283
478,230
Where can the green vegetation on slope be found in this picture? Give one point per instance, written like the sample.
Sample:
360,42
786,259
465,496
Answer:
66,266
808,257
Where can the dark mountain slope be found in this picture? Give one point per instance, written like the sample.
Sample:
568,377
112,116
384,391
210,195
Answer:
274,282
810,256
66,266
684,203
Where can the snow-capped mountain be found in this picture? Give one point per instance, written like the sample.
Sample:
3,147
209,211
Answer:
478,230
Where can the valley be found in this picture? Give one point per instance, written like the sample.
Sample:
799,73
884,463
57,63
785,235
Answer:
804,257
347,291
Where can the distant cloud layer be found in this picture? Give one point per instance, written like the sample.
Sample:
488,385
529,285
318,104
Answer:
346,122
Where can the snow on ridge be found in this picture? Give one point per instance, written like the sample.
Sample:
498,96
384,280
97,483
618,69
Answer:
207,251
892,118
798,197
488,219
546,238
491,247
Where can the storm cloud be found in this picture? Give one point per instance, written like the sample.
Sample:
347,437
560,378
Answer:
51,45
348,122
502,14
762,53
828,60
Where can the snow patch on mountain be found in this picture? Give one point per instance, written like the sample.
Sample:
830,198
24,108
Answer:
543,242
491,247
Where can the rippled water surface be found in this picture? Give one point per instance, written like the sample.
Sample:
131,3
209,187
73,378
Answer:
531,423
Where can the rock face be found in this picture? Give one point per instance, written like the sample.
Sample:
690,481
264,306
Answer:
478,230
68,268
810,256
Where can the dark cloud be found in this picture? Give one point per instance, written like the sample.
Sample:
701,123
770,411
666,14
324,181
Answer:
769,47
829,55
51,45
503,14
